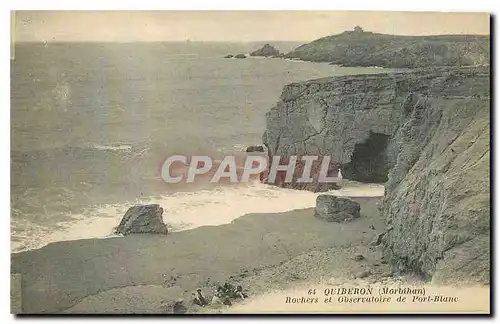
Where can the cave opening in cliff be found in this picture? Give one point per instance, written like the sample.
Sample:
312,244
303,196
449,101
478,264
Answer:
368,161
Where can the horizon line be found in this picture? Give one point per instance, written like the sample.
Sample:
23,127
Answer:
230,41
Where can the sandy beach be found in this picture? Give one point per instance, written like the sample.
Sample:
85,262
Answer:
145,273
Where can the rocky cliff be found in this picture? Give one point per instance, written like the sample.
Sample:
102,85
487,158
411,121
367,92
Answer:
426,135
358,48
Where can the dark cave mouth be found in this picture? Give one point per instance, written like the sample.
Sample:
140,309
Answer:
368,161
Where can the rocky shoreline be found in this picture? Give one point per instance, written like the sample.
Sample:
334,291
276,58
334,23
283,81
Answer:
143,273
427,133
361,48
424,133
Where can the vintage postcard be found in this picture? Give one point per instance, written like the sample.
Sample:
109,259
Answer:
250,162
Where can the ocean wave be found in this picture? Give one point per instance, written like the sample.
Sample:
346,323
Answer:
112,147
238,147
183,211
296,60
75,149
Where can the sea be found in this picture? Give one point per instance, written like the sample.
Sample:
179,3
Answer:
91,124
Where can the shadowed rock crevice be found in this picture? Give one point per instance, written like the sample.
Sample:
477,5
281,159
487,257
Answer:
368,160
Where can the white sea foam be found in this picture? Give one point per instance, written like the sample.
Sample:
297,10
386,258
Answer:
183,211
113,147
236,148
295,60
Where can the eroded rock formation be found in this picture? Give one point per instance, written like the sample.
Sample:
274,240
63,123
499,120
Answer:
254,148
426,134
266,50
334,116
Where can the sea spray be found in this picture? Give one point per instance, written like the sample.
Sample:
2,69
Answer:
183,211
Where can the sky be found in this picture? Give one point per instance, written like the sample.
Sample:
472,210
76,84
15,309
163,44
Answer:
246,26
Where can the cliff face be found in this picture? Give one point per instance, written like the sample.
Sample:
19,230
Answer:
354,48
333,116
426,135
437,202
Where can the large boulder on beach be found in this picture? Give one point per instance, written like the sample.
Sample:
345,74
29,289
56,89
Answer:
336,209
143,219
266,50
